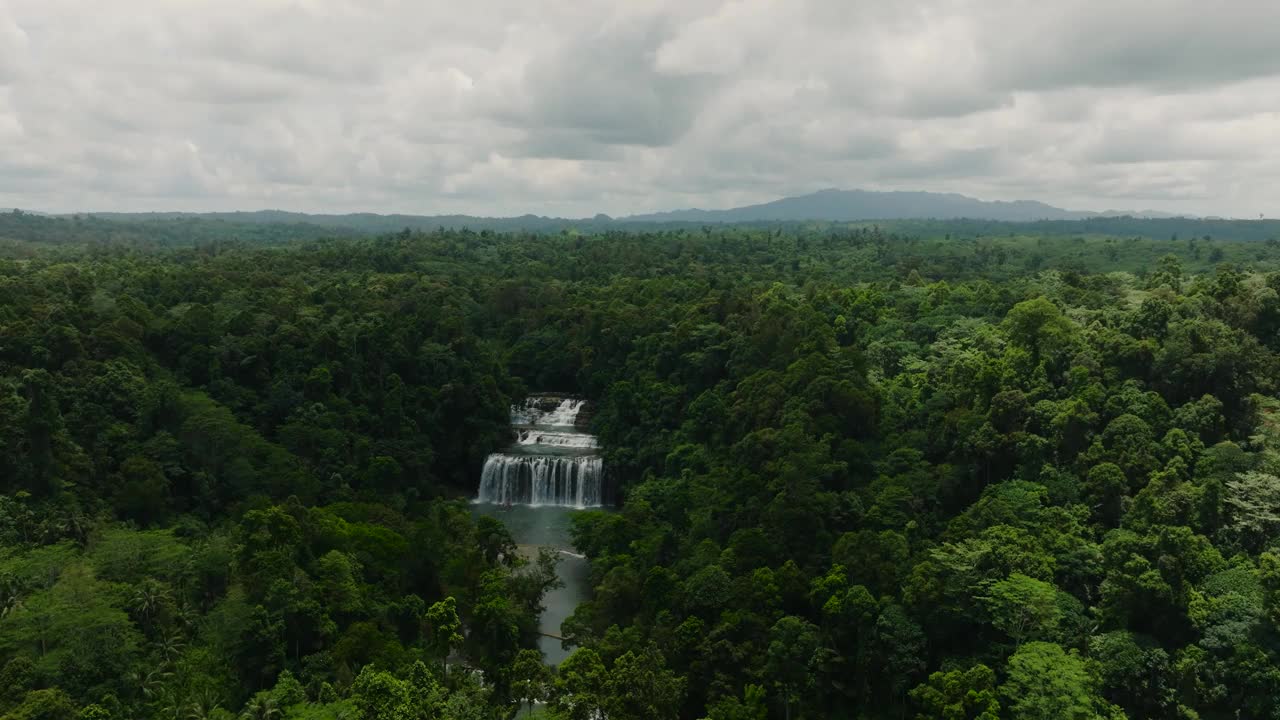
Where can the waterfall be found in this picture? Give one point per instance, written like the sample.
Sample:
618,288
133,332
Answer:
535,412
551,438
541,480
550,462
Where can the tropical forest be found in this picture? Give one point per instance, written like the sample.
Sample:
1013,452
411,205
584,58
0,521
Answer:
904,470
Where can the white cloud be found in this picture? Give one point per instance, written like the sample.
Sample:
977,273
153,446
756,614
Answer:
569,107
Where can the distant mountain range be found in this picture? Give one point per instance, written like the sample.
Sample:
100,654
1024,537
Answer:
854,205
828,205
916,213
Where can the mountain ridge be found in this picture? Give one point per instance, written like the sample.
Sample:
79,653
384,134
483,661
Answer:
829,204
854,205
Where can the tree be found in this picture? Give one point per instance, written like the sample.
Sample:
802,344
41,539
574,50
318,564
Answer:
150,600
1039,327
580,686
269,547
751,706
1105,488
1254,498
288,691
444,629
144,490
426,693
1023,607
640,687
1043,682
1136,673
337,580
1130,443
792,645
16,678
261,707
95,711
1168,272
379,695
900,641
530,678
50,704
75,630
959,695
495,622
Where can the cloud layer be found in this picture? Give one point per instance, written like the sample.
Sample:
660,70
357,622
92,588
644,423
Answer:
567,107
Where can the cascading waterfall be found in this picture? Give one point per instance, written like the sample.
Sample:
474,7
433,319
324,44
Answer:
535,412
541,480
550,438
550,463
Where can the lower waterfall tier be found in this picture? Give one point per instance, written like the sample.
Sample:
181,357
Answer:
542,480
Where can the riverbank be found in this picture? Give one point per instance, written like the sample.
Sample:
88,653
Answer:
534,528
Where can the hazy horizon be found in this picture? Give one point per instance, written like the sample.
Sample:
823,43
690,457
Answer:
588,215
568,110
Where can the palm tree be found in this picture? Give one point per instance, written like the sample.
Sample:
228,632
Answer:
149,599
10,597
171,706
170,647
261,707
203,707
150,683
72,523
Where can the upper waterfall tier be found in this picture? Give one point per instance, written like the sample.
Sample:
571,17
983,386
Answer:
546,411
530,439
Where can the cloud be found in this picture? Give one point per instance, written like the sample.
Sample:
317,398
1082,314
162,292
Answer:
564,107
1170,45
603,87
13,49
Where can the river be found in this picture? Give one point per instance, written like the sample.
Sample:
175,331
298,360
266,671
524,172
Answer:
548,526
551,471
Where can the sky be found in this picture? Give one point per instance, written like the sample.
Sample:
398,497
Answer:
574,107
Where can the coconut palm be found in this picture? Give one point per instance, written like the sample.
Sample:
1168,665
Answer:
169,705
151,682
204,706
170,647
149,599
261,707
10,597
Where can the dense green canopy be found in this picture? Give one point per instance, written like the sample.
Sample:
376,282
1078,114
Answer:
861,474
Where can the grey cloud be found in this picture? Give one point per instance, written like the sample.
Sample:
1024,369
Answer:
566,144
13,49
605,89
563,107
1148,144
947,164
1173,44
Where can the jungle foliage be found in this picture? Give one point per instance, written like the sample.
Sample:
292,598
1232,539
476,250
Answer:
860,474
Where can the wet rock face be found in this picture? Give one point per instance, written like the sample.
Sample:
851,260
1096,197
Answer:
546,403
582,422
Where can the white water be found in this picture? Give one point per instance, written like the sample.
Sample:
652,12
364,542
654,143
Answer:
550,471
551,463
552,438
531,413
541,480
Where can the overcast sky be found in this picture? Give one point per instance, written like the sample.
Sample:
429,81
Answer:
575,107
